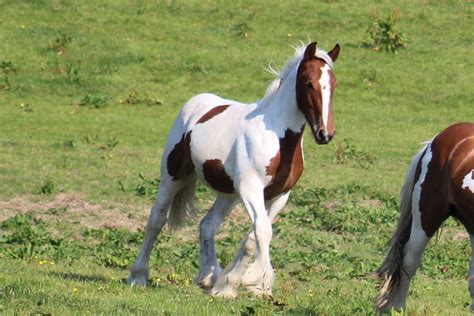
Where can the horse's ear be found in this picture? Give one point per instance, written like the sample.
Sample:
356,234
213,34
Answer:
334,53
310,50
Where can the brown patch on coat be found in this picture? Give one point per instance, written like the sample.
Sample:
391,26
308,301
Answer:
179,161
462,199
211,113
215,174
309,101
441,194
287,165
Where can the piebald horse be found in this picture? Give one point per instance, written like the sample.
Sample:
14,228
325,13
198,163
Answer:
249,153
439,183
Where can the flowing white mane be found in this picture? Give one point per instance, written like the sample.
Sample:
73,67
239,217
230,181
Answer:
290,65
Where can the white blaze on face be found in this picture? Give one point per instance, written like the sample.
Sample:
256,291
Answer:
324,81
468,181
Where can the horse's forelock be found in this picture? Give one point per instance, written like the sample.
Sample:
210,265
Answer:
293,63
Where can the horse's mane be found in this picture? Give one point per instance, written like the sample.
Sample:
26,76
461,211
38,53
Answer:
285,71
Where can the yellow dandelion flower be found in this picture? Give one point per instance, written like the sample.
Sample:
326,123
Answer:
74,290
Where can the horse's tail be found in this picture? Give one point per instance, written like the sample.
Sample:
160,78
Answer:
390,270
182,205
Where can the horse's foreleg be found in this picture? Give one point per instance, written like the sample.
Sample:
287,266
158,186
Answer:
471,273
229,279
413,253
209,267
253,276
156,221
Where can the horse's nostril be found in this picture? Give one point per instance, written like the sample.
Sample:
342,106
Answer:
320,134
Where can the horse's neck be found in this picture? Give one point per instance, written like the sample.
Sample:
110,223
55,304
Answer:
281,111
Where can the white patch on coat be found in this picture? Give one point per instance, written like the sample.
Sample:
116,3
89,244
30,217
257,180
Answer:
468,181
417,188
324,82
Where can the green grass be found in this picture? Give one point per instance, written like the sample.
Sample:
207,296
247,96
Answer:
92,90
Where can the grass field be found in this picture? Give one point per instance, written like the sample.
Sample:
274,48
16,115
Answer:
88,92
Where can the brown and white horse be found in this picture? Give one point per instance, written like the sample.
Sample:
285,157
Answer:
251,153
439,183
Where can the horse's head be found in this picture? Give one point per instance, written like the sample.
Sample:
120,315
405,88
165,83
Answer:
315,84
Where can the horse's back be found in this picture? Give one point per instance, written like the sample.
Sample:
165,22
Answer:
194,133
196,107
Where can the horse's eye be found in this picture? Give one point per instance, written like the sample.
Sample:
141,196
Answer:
308,85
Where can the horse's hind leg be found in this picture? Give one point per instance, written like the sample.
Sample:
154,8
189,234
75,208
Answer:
413,252
156,221
209,267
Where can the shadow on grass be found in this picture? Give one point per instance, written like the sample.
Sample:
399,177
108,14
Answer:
79,277
96,278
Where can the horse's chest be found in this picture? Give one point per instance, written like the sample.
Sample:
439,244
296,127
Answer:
286,166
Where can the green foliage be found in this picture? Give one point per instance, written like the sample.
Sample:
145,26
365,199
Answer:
369,77
95,102
27,237
147,187
383,34
112,247
136,98
111,143
7,68
47,187
59,44
25,107
346,151
70,143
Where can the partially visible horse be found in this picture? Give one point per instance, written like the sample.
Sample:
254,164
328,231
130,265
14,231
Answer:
439,183
245,152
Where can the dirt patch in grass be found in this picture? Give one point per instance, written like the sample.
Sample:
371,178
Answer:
73,208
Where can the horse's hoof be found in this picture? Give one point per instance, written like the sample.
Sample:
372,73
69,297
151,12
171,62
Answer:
137,281
207,281
225,292
259,291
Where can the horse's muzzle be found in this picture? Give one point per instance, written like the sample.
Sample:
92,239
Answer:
321,136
